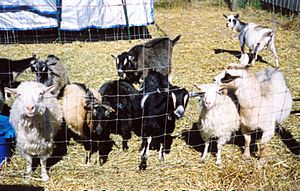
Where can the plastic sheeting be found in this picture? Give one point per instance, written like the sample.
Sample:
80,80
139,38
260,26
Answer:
27,14
75,14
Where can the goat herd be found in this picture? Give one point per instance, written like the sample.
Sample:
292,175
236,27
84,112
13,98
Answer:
237,99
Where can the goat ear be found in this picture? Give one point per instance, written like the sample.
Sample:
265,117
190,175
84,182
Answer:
115,57
237,16
49,89
12,91
228,78
108,108
225,16
130,57
200,87
196,94
223,90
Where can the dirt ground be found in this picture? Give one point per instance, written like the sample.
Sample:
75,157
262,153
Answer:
196,59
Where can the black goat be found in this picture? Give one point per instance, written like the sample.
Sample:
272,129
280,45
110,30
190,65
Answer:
155,54
51,72
124,99
10,69
161,109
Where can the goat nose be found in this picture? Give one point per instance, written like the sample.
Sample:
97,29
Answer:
30,107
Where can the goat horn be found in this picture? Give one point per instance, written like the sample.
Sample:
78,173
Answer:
108,107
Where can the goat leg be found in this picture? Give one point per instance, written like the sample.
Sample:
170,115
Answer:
204,154
273,50
161,155
44,174
266,137
221,142
145,153
28,159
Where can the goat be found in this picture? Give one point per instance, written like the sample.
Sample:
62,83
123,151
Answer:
218,117
155,54
265,102
36,117
84,115
124,99
254,36
11,69
51,72
160,109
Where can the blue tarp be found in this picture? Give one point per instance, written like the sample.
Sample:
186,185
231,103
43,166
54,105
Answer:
6,130
74,15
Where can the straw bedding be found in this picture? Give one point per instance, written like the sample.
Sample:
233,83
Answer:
195,60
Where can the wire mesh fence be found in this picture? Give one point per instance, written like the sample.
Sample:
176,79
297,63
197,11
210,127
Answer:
205,49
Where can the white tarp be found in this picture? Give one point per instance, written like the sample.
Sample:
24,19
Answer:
27,14
75,14
81,14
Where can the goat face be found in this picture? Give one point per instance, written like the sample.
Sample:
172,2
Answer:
40,68
180,98
99,113
209,95
124,63
231,20
31,101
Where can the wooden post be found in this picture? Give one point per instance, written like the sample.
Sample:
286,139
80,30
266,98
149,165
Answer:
234,5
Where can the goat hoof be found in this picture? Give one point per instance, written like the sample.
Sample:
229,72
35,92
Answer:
45,178
246,156
218,163
143,166
262,161
28,173
101,162
202,160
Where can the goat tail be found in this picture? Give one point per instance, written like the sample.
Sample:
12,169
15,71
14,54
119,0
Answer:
287,138
174,41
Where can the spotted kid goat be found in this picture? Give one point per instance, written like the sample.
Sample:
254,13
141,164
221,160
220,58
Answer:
162,104
156,54
254,36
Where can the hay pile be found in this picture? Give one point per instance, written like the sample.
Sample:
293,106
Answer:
203,31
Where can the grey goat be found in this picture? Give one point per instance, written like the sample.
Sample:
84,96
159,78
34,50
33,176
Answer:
254,36
155,54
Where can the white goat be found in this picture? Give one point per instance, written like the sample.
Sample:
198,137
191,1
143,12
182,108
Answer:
36,116
254,36
218,118
265,101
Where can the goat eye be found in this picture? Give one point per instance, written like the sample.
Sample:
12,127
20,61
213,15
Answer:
106,113
95,111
